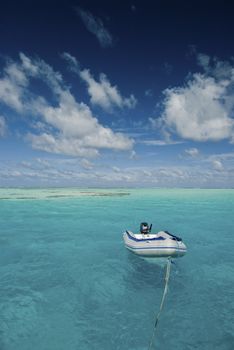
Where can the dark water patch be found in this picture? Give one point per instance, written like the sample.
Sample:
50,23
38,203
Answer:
15,198
26,197
109,194
60,196
143,274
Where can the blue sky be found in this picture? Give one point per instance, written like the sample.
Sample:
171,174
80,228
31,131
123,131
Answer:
137,94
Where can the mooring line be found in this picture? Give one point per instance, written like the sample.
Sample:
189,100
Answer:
167,276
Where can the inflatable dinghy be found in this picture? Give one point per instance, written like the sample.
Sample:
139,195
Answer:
160,244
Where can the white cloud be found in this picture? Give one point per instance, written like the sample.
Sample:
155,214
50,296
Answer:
15,73
60,145
204,61
221,70
101,92
86,164
173,173
64,171
12,86
105,95
10,94
3,126
147,173
217,165
116,169
73,63
68,127
196,111
160,142
26,164
222,156
193,152
96,27
28,65
202,110
133,155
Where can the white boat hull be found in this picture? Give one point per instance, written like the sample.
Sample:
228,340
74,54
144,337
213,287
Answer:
154,245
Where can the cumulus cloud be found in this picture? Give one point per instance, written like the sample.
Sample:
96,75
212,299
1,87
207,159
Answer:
95,26
67,126
86,164
101,92
3,126
212,66
202,109
60,145
105,95
60,171
193,152
217,165
196,111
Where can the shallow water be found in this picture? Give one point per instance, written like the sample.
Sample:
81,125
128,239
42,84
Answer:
67,281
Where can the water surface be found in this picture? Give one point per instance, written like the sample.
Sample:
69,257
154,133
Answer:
67,282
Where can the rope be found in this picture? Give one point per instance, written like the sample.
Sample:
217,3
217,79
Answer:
167,276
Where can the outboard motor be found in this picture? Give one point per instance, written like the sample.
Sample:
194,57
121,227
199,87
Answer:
145,228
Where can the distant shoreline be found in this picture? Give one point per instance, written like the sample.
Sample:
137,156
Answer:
53,193
111,188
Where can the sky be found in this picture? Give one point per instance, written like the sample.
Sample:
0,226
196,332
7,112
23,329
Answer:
117,94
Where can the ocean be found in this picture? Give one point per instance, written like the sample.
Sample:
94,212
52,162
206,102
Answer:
68,283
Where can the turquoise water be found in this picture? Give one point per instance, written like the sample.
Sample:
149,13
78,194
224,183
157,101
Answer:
67,281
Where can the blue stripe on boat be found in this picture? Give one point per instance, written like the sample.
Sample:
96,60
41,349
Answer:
140,248
160,238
